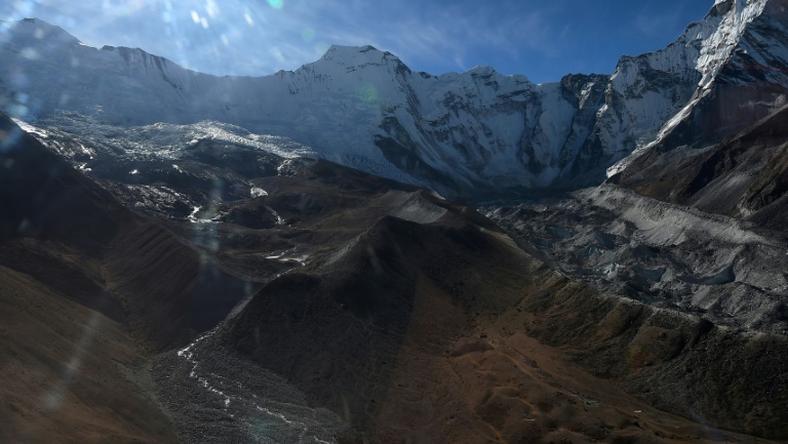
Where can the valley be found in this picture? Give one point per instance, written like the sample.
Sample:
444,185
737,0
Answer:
397,297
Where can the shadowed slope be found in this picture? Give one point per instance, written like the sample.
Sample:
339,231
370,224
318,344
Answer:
442,330
74,228
744,177
76,270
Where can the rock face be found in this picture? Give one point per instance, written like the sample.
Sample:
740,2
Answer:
745,176
726,151
473,134
743,76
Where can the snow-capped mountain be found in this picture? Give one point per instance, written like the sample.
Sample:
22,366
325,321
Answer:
739,57
472,133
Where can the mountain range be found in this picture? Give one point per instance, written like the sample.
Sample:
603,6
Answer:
355,252
472,134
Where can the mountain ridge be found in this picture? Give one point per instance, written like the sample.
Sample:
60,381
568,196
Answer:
464,134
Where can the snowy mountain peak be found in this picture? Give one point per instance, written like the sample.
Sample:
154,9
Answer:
720,39
464,133
36,32
357,56
482,70
737,56
739,5
137,57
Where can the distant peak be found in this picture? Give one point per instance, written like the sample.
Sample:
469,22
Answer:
722,7
351,49
35,28
361,55
33,20
38,23
482,70
341,53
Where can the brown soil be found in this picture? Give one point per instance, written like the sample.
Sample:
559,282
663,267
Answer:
65,370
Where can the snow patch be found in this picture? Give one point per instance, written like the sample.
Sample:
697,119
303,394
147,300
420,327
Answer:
281,257
256,192
30,129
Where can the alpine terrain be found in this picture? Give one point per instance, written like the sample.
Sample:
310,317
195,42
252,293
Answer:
357,252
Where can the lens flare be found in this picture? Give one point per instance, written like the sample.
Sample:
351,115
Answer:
368,94
308,34
276,4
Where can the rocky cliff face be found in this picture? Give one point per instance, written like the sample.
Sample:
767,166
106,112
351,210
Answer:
472,134
745,177
742,63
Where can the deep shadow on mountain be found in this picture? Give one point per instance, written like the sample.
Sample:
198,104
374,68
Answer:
78,232
88,287
745,176
414,318
442,330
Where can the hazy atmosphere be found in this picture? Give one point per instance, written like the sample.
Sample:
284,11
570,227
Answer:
540,39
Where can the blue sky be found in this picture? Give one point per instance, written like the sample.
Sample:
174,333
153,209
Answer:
542,39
